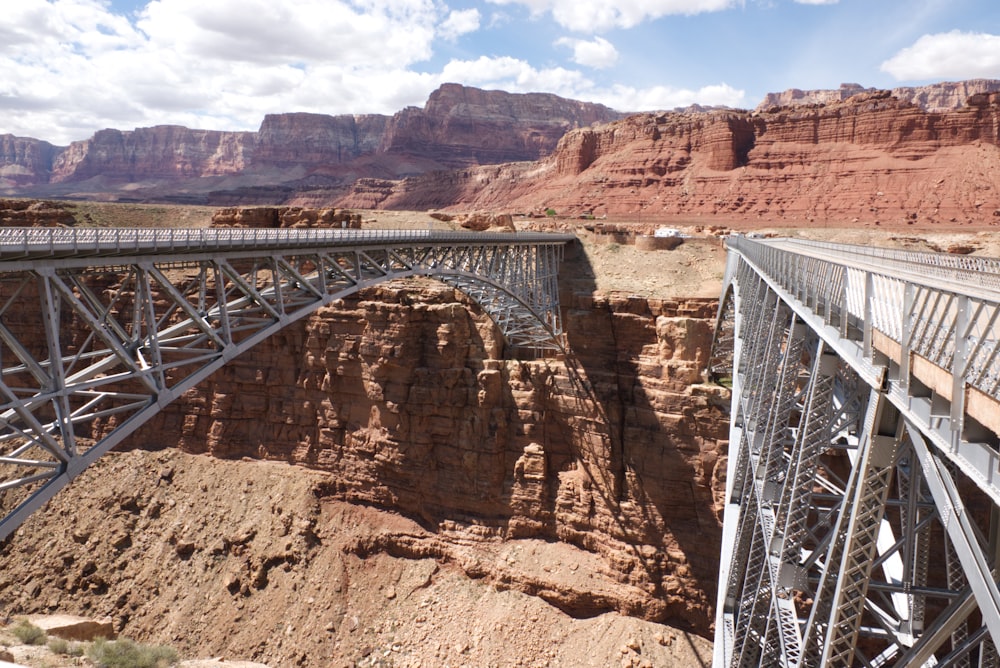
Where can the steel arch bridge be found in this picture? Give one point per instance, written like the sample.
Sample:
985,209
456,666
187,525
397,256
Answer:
100,329
861,523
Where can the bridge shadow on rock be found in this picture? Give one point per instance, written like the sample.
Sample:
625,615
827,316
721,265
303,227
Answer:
650,440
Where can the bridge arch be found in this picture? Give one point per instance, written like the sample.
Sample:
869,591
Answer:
110,326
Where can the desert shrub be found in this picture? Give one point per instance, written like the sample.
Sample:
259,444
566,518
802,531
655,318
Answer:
125,653
28,633
550,212
65,647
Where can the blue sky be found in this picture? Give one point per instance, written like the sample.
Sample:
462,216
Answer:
72,67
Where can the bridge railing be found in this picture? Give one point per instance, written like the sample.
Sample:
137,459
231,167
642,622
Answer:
23,242
942,308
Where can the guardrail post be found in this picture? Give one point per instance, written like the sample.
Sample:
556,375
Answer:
959,364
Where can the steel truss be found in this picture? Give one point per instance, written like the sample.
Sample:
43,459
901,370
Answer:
862,524
99,329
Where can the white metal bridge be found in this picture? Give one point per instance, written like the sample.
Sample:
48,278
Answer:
99,329
862,524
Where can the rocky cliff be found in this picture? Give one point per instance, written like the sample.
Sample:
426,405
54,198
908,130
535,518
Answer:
943,96
870,159
25,161
296,152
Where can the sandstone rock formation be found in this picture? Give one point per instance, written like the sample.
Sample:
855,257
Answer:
870,159
285,216
161,152
25,161
32,213
943,96
405,399
297,154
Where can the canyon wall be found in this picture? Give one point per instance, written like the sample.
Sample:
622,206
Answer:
871,159
404,396
296,152
25,161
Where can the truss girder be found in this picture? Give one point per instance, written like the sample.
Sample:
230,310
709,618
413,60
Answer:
862,504
100,329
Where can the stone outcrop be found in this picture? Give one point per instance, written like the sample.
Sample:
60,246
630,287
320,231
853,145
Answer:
870,159
33,213
460,126
404,396
299,139
285,216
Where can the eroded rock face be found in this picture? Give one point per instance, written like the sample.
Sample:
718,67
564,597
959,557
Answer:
294,155
164,151
404,397
34,213
870,159
285,216
24,161
943,96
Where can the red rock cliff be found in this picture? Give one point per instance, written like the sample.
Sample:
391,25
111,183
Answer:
164,151
871,158
402,395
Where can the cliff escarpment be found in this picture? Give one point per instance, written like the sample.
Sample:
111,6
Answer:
869,159
296,153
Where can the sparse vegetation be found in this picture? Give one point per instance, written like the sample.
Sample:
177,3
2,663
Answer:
65,647
28,633
125,653
550,212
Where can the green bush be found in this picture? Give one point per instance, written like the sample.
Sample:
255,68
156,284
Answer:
28,633
125,653
550,212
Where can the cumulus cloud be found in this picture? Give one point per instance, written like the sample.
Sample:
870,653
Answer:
598,53
599,15
950,55
658,98
460,22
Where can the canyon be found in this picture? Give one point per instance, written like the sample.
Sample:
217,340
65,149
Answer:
385,483
350,484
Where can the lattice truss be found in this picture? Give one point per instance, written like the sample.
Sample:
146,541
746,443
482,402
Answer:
850,538
92,348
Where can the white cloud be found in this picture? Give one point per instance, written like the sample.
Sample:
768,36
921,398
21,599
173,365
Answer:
590,16
663,98
817,2
460,22
72,67
950,55
513,75
598,53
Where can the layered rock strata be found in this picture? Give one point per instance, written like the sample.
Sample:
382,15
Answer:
404,397
871,159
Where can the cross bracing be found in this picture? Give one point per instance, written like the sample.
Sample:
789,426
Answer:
99,329
861,525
